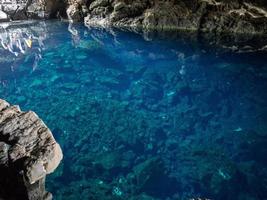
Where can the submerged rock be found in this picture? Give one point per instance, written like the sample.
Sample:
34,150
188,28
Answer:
28,151
151,178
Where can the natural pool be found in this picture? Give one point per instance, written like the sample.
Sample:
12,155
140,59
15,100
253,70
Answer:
142,118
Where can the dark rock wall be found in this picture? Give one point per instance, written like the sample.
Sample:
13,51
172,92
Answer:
205,15
237,16
31,9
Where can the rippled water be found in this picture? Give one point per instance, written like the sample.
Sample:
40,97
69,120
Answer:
141,118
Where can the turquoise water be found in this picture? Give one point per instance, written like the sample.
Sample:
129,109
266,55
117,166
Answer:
142,118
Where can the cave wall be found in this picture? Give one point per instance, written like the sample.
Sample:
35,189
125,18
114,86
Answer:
235,16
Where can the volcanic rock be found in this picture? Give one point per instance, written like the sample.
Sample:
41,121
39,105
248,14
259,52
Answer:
28,151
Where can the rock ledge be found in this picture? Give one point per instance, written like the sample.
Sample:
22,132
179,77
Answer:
28,151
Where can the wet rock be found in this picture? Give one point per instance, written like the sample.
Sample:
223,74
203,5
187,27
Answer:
151,177
31,9
76,10
204,15
111,162
74,13
213,172
28,152
98,3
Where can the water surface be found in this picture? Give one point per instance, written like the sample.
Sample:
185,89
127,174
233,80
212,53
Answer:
141,118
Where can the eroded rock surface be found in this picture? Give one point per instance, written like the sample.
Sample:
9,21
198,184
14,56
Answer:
76,10
237,16
29,9
205,15
28,151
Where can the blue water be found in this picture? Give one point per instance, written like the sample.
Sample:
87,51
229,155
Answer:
142,118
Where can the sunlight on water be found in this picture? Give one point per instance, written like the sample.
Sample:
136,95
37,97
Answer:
141,119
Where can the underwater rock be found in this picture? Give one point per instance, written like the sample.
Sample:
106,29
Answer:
28,152
110,161
151,178
143,197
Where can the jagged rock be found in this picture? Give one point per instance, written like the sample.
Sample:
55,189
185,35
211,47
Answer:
28,151
74,13
204,15
243,16
76,10
31,9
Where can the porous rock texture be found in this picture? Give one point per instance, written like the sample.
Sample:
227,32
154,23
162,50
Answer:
232,16
235,16
30,9
28,151
76,10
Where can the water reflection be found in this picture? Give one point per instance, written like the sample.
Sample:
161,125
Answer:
74,34
19,43
27,42
15,42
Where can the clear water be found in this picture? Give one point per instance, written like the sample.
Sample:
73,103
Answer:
142,119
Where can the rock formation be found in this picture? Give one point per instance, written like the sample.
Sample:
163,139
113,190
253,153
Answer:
76,10
30,9
204,15
28,151
237,16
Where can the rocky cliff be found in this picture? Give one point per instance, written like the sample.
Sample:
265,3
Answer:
28,151
29,9
232,16
236,25
237,16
